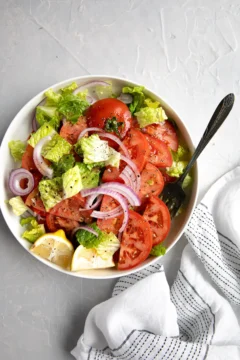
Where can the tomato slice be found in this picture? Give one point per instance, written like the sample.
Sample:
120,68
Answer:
159,219
102,110
34,201
167,178
27,159
160,154
138,147
136,242
109,225
72,209
111,174
55,223
70,132
165,132
152,182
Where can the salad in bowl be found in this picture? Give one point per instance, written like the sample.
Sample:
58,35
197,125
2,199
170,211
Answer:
87,179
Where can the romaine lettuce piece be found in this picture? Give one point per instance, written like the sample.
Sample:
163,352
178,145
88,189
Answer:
152,104
180,161
25,221
158,250
148,115
49,115
53,97
18,206
33,231
72,107
94,149
87,239
138,97
72,182
43,131
17,149
90,177
70,88
56,148
113,158
108,245
64,164
51,192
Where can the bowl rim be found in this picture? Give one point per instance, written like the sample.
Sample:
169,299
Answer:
196,177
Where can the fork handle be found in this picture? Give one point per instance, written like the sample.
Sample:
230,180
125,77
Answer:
219,115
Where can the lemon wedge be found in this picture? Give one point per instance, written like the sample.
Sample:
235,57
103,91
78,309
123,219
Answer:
84,259
54,247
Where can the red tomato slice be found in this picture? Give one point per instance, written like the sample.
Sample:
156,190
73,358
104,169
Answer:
136,242
159,219
165,132
111,174
152,182
160,154
70,132
109,225
55,223
35,202
70,209
138,147
27,159
102,110
167,178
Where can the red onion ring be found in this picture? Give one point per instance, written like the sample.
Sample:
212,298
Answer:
122,189
35,125
107,214
89,203
89,85
85,131
14,182
127,180
85,227
42,167
135,170
119,198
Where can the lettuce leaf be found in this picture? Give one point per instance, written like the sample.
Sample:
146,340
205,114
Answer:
33,231
180,161
158,250
64,164
43,131
56,148
51,192
104,92
18,206
90,177
149,115
94,149
17,149
138,97
72,107
72,182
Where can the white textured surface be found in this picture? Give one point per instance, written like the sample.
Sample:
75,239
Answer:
186,50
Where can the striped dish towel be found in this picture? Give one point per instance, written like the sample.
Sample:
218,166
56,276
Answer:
198,318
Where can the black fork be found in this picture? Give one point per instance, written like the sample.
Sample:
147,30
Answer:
173,194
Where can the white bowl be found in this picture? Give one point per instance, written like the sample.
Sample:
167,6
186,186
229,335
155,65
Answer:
20,128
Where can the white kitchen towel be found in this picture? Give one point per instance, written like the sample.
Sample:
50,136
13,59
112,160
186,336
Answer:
199,317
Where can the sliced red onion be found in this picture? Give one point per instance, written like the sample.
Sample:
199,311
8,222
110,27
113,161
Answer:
107,214
35,125
122,189
127,180
90,205
43,168
125,98
90,99
119,198
89,85
85,131
129,173
87,228
14,181
135,169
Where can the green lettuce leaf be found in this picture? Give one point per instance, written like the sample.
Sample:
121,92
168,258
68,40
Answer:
138,97
17,149
108,245
56,148
90,177
148,115
49,115
72,182
94,149
53,97
152,104
33,231
70,88
158,250
18,206
25,221
113,158
64,164
87,239
43,131
187,181
180,161
51,192
72,107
